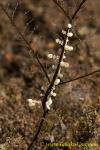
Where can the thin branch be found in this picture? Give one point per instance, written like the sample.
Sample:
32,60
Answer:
42,67
38,130
15,10
64,12
77,10
80,77
30,50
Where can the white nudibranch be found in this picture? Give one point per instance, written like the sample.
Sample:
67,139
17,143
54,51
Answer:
53,67
69,26
64,32
60,75
53,94
69,34
59,41
53,88
68,48
57,81
64,64
48,103
50,55
33,102
64,57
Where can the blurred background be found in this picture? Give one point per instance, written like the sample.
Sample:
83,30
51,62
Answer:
75,114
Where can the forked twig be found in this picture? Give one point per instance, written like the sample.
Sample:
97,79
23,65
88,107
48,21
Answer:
62,9
65,13
77,10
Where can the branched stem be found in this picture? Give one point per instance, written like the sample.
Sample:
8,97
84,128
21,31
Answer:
35,55
55,76
46,96
78,9
64,12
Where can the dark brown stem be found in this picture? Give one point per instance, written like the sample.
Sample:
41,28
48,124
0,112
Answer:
77,10
42,67
80,77
38,131
66,14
